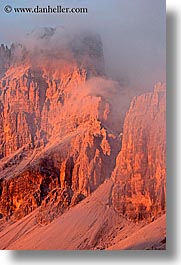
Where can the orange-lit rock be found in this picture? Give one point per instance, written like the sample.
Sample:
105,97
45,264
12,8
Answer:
61,175
61,124
140,173
55,146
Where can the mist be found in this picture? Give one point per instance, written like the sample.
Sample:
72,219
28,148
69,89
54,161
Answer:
132,32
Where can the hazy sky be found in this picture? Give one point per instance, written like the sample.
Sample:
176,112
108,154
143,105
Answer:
133,33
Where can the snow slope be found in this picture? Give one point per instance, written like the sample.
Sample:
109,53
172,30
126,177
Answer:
92,224
151,236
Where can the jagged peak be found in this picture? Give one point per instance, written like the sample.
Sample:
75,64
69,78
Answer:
42,33
55,48
160,86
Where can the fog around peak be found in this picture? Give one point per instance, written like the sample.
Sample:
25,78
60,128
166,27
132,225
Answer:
132,32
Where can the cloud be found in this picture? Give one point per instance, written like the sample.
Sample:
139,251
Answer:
133,33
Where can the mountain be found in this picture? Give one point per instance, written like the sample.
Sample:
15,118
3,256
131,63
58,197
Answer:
92,224
75,145
56,146
140,172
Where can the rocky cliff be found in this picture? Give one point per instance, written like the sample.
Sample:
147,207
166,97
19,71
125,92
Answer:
140,173
55,145
40,91
61,176
61,129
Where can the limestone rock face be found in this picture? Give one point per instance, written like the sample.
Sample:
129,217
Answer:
55,147
61,176
140,173
40,92
61,125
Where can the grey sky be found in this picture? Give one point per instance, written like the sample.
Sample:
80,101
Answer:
133,33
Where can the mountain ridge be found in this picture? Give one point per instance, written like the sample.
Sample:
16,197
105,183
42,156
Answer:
67,134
